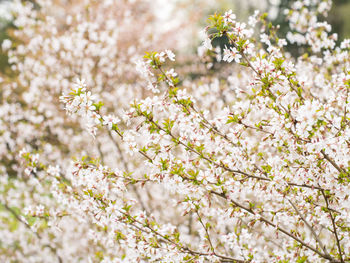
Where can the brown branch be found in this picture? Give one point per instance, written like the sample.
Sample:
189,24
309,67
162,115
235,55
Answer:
222,165
9,209
205,122
282,230
206,231
167,239
226,259
340,170
204,157
139,151
126,168
334,227
311,229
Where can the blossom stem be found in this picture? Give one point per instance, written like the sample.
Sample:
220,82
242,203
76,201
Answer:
334,227
265,220
9,209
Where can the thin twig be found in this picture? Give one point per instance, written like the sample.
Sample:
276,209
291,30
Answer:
206,231
340,170
334,227
9,209
222,165
126,168
267,221
175,243
310,227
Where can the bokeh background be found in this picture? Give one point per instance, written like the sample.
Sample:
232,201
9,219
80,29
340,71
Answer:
198,11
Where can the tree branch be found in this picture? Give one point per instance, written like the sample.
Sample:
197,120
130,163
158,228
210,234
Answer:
53,250
282,230
334,227
310,227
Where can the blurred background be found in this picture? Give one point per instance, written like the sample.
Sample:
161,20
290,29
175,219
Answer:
173,11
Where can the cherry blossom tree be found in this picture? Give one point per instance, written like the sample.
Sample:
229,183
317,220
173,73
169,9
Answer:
246,164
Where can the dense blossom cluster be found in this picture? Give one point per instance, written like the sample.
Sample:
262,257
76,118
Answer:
251,164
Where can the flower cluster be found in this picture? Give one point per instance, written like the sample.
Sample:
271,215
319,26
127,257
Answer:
247,164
